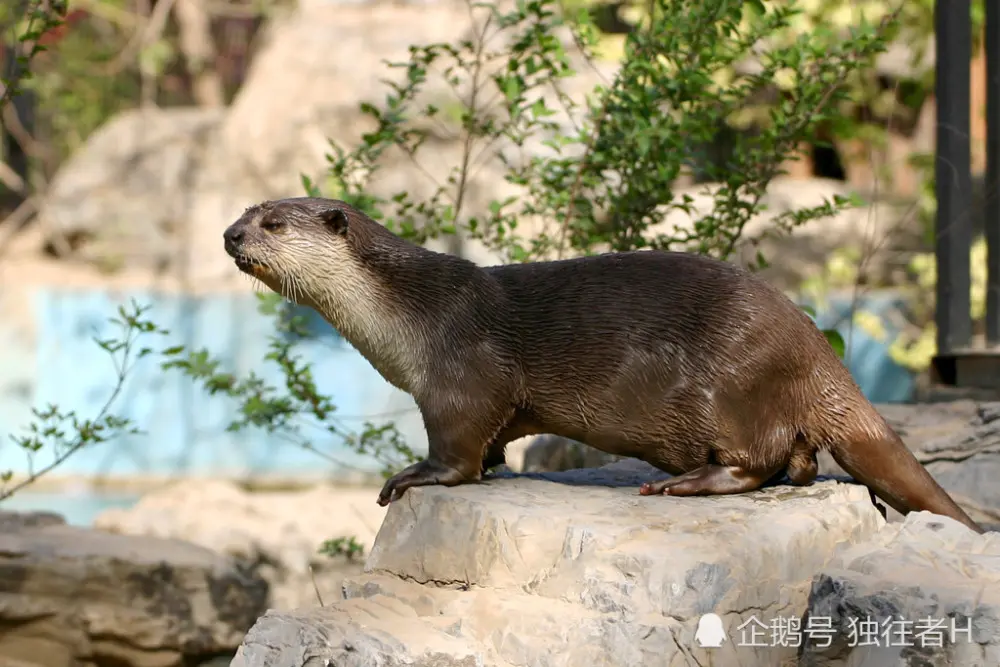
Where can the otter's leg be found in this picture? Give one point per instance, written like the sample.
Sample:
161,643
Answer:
455,450
496,454
709,480
523,424
802,467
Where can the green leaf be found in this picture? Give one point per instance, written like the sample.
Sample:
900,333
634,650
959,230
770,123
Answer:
836,341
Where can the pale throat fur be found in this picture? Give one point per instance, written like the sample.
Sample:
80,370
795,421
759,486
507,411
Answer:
352,300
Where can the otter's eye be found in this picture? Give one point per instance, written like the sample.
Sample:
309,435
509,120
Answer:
271,225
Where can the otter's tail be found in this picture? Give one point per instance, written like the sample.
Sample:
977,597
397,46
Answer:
881,461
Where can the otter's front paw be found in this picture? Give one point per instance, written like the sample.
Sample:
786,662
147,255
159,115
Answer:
423,473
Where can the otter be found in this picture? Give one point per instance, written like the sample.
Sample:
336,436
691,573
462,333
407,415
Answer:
694,365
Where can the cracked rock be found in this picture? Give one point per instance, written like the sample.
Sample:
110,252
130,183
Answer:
71,596
573,568
274,533
924,592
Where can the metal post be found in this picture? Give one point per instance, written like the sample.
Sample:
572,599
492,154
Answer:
953,225
992,186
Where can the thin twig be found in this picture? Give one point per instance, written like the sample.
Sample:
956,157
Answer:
473,110
16,129
109,12
150,28
12,179
771,171
46,16
868,251
122,372
14,222
575,190
312,575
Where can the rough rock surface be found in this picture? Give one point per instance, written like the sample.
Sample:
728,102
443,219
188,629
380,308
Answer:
275,533
99,200
923,592
569,569
71,596
553,453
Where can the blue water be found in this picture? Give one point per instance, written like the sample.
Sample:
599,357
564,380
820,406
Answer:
79,508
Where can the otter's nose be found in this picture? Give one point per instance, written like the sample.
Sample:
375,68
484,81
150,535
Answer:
233,237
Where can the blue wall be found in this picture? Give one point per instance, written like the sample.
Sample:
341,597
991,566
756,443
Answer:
880,378
186,428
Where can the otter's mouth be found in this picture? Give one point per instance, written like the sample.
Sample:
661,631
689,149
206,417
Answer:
252,266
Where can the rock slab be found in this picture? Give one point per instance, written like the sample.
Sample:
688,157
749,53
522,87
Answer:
275,533
922,592
571,568
72,596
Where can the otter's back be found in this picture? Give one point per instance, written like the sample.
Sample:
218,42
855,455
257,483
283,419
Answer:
659,319
632,297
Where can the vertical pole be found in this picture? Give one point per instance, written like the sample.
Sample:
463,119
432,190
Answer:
22,104
11,151
952,173
992,189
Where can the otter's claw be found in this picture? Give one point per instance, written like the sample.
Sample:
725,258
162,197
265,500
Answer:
423,473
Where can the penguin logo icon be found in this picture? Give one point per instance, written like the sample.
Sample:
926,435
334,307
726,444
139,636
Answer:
710,633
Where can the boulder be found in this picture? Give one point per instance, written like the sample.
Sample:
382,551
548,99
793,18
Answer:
573,568
553,453
276,533
925,591
120,200
71,596
155,189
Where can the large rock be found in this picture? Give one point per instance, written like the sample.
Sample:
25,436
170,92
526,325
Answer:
570,569
120,200
553,453
923,592
196,171
71,596
277,533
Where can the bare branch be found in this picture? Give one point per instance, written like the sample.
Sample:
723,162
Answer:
199,52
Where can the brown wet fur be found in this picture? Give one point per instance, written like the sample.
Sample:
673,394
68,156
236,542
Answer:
694,365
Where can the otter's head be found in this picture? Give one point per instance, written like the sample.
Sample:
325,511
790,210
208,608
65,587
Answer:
322,253
291,245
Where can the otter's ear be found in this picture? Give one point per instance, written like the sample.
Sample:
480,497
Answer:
335,219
